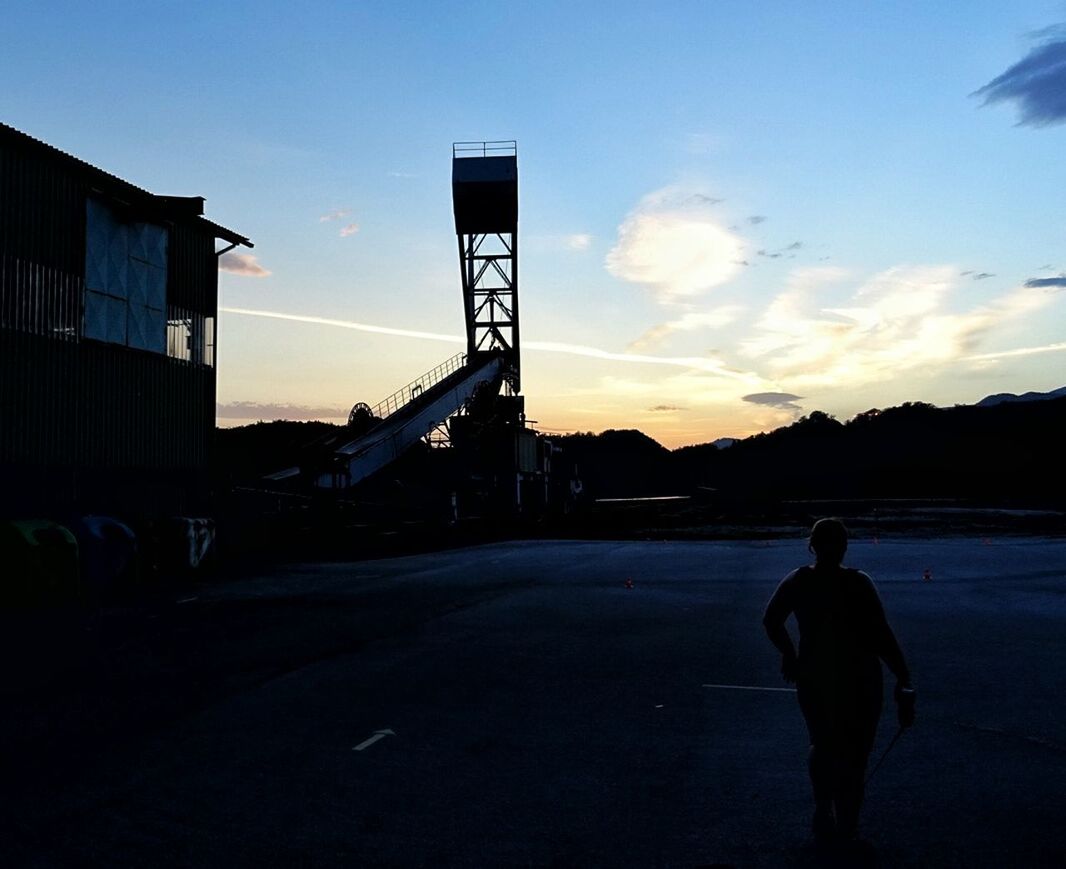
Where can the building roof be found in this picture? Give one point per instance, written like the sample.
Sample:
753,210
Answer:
181,208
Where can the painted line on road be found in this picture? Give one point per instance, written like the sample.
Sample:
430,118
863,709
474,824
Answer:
378,735
752,688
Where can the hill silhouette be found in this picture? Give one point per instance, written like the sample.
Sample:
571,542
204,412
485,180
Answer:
915,450
1009,451
621,463
244,454
1001,397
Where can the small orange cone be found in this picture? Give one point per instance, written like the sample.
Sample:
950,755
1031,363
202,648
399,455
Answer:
927,575
629,582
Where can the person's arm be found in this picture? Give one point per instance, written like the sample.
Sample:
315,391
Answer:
886,645
777,612
887,648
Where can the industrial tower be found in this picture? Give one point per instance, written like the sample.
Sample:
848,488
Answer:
485,199
485,202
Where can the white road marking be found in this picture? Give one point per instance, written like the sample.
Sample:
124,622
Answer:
188,600
752,688
378,734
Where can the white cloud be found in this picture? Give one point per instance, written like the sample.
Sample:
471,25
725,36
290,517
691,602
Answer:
692,389
898,321
336,214
690,321
350,229
578,241
673,244
241,264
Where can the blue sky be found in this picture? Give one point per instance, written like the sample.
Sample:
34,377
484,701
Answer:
788,206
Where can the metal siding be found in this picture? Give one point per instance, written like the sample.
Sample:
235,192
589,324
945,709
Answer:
192,272
88,425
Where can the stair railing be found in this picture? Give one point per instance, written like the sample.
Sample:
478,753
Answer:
402,397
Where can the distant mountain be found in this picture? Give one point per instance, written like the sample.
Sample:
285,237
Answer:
723,443
1004,397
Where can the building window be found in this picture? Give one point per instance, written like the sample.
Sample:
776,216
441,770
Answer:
125,280
190,336
209,341
179,335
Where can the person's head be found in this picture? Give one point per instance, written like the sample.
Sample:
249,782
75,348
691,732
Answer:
829,541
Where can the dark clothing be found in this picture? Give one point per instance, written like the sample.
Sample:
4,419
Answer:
844,636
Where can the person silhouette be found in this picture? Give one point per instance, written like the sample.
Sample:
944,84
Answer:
843,637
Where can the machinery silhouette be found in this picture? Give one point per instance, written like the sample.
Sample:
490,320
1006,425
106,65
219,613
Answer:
470,404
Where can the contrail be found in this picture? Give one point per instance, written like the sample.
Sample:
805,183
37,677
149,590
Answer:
696,362
347,324
680,361
1021,351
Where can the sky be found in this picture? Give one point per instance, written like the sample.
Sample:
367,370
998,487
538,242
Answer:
731,213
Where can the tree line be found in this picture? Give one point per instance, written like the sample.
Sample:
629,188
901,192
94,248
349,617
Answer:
915,450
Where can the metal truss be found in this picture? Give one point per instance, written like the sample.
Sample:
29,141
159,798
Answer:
438,437
490,293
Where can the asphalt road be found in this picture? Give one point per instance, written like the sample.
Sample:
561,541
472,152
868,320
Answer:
518,705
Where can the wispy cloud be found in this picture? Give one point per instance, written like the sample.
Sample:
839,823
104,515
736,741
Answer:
665,408
984,276
690,321
780,400
350,229
684,389
241,264
1054,283
703,364
402,175
756,219
672,244
258,410
578,241
336,214
1036,84
897,321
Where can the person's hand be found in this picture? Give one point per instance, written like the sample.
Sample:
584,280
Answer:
789,668
905,703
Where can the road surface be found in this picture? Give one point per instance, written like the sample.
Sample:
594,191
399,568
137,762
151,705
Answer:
517,704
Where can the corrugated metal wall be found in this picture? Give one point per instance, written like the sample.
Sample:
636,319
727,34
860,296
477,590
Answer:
86,425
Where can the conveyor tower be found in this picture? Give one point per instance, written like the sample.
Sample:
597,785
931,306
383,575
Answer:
485,201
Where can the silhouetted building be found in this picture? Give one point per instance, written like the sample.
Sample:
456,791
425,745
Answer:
108,312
